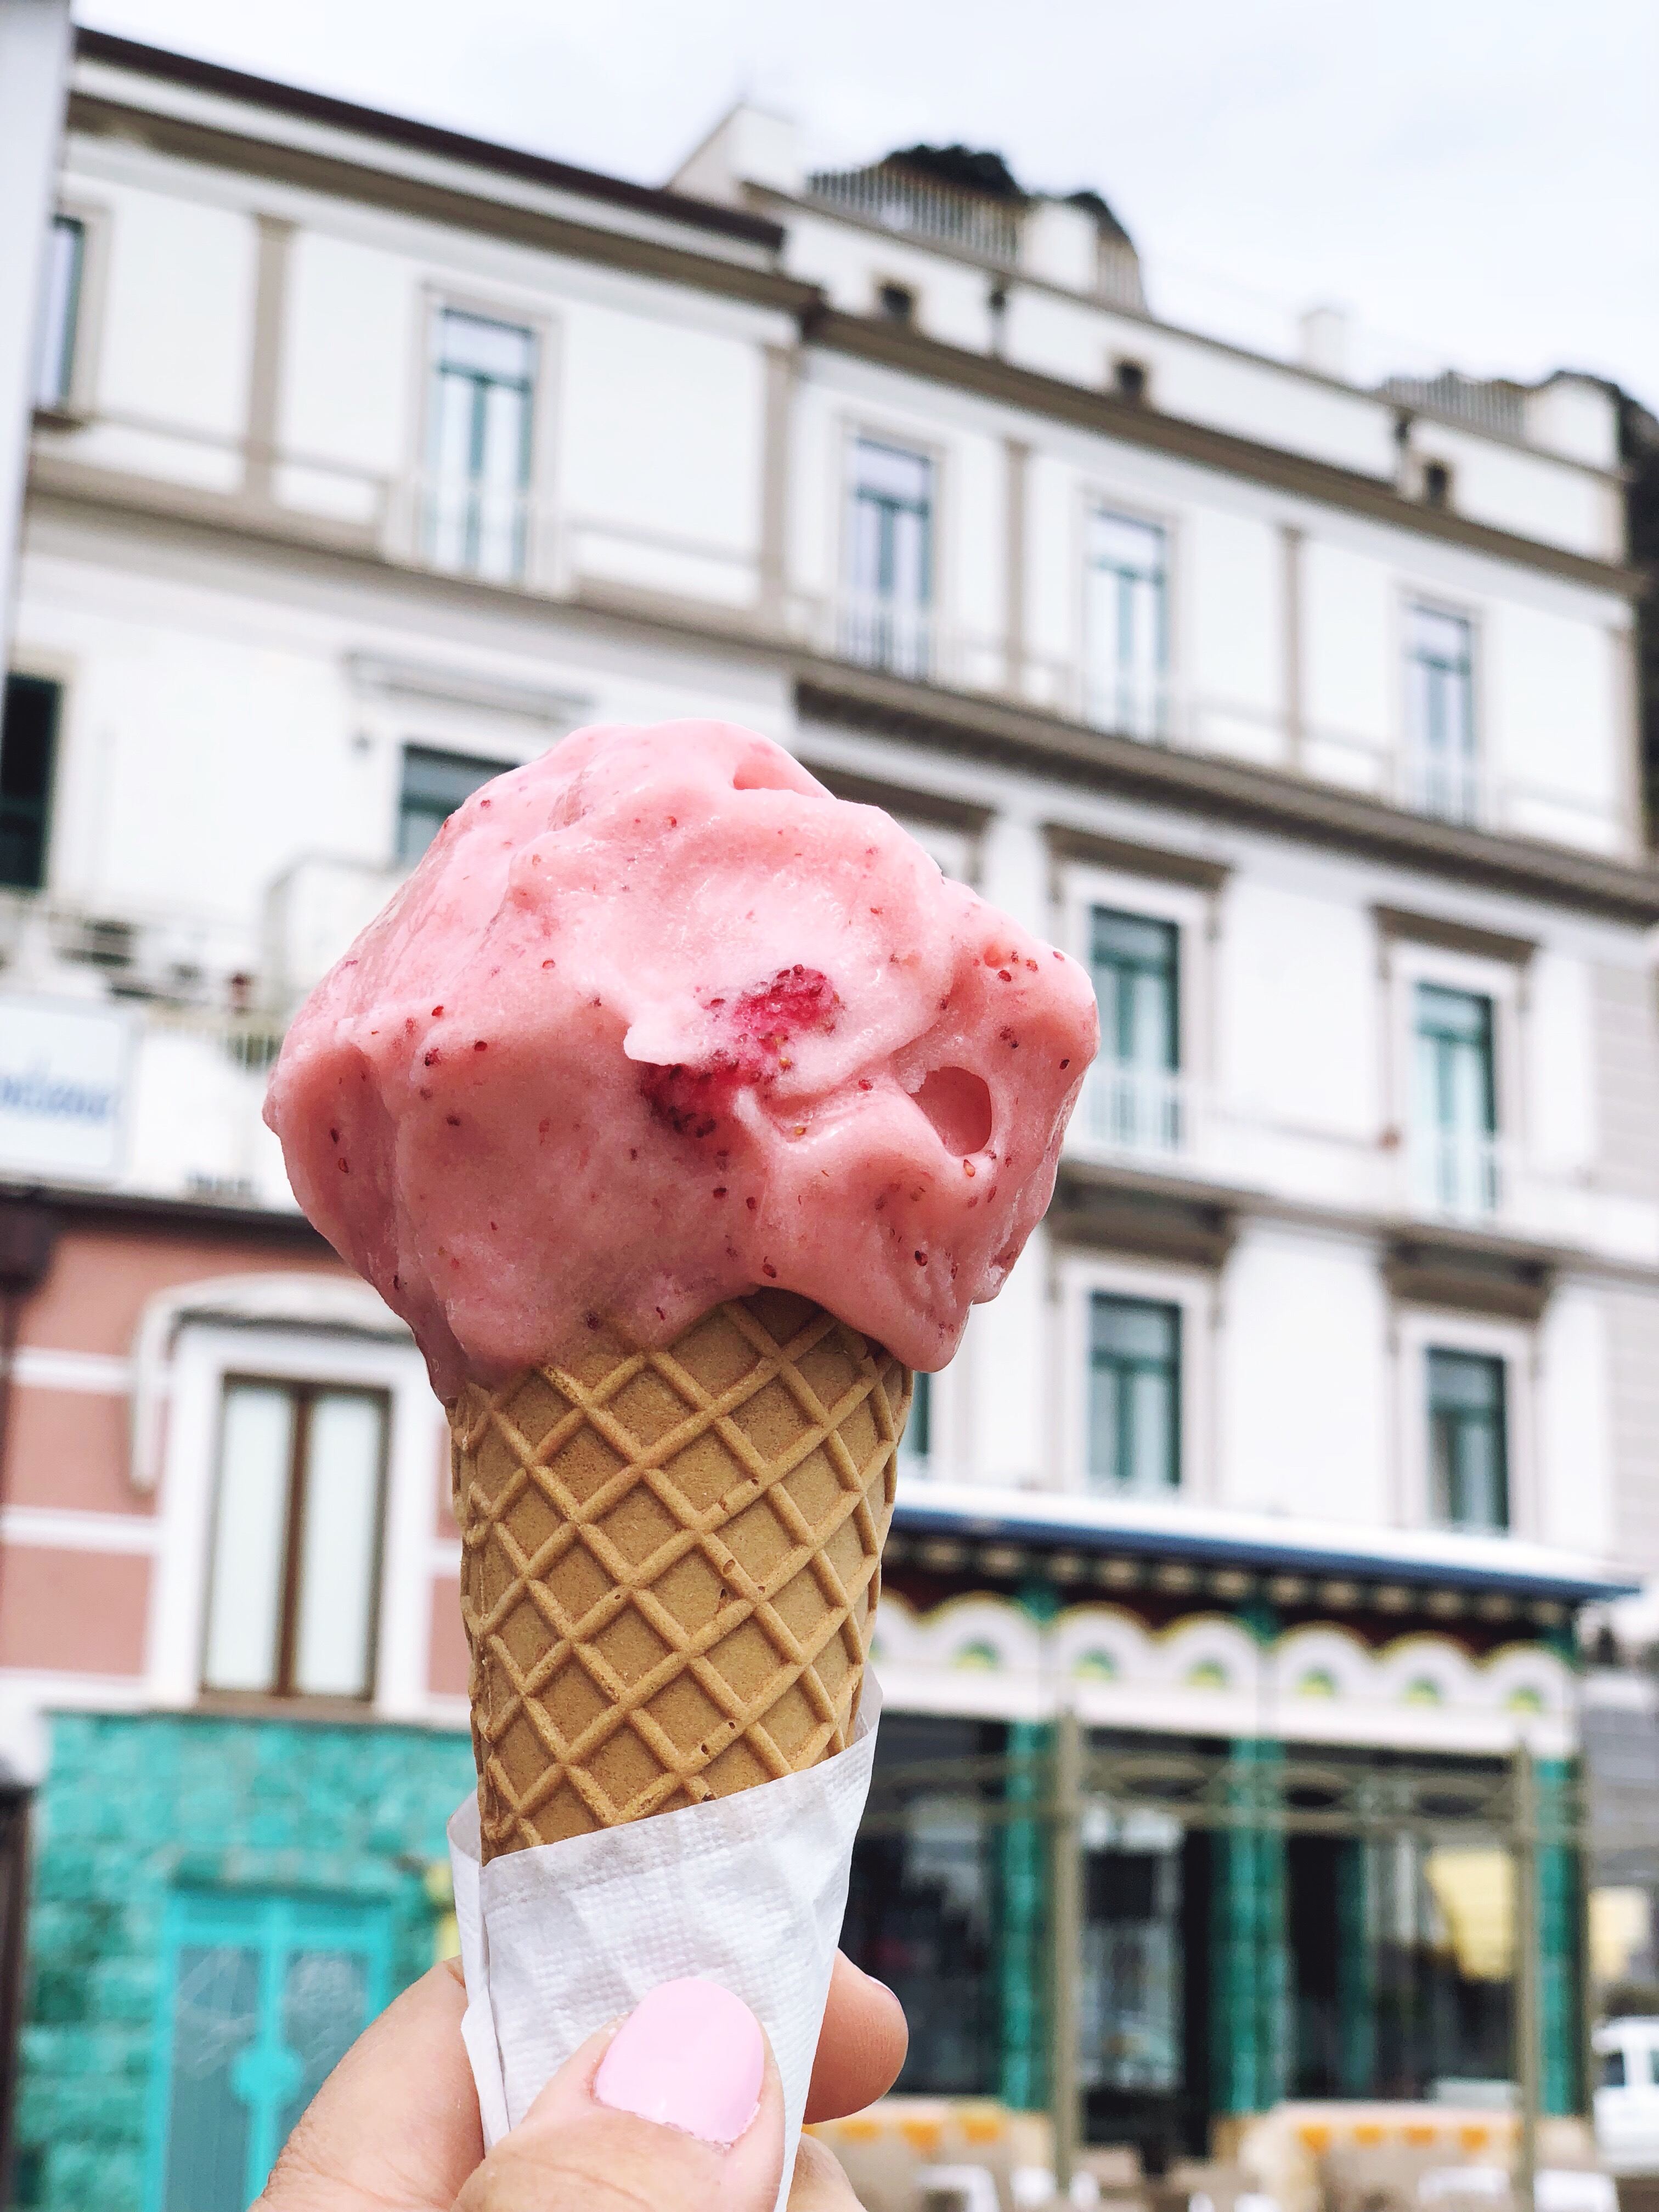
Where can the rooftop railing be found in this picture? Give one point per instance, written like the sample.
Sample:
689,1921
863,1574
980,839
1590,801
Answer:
899,200
1496,407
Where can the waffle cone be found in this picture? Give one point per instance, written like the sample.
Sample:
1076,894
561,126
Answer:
670,1564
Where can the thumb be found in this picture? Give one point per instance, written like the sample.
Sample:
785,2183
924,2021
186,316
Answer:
678,2107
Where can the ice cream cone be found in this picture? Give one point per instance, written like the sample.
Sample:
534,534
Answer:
670,1561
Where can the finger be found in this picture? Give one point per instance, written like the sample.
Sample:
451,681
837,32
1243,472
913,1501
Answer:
861,2044
397,2121
680,2106
819,2185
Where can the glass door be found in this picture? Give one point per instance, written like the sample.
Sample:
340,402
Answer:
264,1995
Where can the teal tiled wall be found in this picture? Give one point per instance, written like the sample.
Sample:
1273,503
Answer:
136,1804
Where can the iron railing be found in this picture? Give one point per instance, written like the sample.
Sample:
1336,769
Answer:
898,199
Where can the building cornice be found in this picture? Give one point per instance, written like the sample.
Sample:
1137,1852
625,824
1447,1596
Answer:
875,340
957,725
1216,1537
1232,791
762,196
334,176
80,1204
373,122
901,347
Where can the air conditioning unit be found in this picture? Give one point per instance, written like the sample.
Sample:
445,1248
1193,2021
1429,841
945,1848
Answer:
98,940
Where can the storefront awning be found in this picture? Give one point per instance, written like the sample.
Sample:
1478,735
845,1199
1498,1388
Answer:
1039,1529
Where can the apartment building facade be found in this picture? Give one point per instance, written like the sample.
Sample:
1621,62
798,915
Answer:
370,460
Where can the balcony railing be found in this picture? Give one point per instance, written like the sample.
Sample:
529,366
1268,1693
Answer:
1448,790
1141,1111
410,520
886,634
898,199
1460,1175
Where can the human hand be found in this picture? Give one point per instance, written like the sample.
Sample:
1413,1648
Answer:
396,2124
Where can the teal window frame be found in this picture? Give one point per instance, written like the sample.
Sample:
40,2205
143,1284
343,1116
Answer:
1133,1375
1467,1395
891,559
1440,708
1127,592
1455,1033
1135,1102
464,529
29,727
276,1931
432,784
1123,975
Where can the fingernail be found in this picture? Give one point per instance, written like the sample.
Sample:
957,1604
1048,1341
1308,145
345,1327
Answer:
692,2058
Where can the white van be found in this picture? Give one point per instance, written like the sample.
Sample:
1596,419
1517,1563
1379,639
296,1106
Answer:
1627,2095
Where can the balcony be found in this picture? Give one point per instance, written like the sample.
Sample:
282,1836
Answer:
1139,1123
506,537
1139,1113
1462,1175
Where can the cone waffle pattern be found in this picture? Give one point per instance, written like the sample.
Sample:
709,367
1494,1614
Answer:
670,1561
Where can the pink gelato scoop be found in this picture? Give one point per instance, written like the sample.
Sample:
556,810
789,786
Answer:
656,1020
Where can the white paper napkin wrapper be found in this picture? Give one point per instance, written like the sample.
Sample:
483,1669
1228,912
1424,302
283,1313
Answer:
747,1891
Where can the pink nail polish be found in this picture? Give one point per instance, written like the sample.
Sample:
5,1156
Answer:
690,2057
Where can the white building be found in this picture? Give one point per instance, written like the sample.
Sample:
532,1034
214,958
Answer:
370,460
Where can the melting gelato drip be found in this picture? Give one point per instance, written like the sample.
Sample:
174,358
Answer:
656,1020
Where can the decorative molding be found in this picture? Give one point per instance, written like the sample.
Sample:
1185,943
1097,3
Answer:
901,347
371,672
1210,786
1129,857
1206,1675
1395,923
918,804
1095,1208
337,1305
61,1529
90,1373
336,176
1425,1270
155,62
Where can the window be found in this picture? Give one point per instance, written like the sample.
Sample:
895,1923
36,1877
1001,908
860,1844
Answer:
888,618
1468,1445
897,303
434,784
1134,1395
1129,379
1454,1142
261,1997
1134,1090
480,445
1125,641
1440,714
1437,485
916,1444
295,1570
1612,2070
28,746
60,312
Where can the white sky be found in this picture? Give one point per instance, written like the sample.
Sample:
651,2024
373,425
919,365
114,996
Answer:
1476,181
